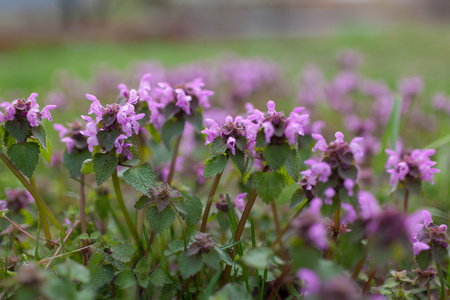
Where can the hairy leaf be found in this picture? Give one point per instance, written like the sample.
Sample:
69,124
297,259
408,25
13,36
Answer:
74,161
40,134
268,185
276,155
189,265
160,221
141,178
107,138
18,129
214,166
25,156
170,129
104,165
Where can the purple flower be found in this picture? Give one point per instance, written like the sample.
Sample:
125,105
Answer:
269,130
45,113
239,203
10,110
311,281
231,143
32,117
212,132
119,143
350,215
321,144
368,205
349,185
419,247
183,101
329,194
62,131
90,132
69,142
410,165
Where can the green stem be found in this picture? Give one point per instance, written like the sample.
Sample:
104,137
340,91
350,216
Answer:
405,201
130,224
239,230
337,224
83,216
174,160
211,195
41,212
280,236
33,193
443,292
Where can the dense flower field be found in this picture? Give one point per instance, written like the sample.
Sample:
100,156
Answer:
191,183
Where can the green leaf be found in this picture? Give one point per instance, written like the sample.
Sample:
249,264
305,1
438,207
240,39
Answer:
122,252
108,119
159,278
18,129
125,279
143,201
222,219
276,155
107,138
195,119
74,161
268,185
104,165
178,204
212,259
224,256
218,146
25,156
260,141
73,271
87,167
248,166
141,270
194,208
440,253
100,275
175,246
160,221
241,142
214,166
141,178
257,258
239,161
351,172
233,291
2,134
153,132
8,140
40,134
297,197
424,259
46,153
189,265
292,165
170,129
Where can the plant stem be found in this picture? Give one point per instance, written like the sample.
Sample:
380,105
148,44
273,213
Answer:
337,224
369,280
19,228
41,213
277,227
33,193
239,230
83,216
130,224
358,268
428,292
174,160
280,236
405,201
443,292
150,241
211,195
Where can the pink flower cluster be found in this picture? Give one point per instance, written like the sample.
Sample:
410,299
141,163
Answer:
112,117
410,165
424,233
22,109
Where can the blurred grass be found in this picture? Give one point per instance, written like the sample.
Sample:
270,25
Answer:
389,54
